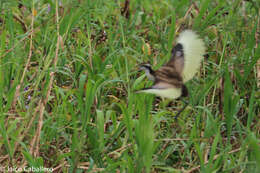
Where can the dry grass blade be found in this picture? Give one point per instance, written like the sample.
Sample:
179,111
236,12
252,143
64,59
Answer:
17,91
35,145
215,157
257,38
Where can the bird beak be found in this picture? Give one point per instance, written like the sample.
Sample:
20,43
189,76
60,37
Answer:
137,68
141,68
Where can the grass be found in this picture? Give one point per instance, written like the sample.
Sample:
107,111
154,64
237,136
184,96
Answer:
68,72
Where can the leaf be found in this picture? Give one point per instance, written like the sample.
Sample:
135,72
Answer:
100,128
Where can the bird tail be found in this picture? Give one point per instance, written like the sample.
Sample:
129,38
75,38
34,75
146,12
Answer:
194,49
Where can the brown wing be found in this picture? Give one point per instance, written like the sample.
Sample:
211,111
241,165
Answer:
177,59
167,76
170,73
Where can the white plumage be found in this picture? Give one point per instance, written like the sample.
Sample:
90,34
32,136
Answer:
170,93
194,49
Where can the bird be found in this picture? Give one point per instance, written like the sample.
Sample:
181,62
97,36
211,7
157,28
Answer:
169,80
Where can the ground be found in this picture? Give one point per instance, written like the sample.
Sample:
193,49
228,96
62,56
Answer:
69,72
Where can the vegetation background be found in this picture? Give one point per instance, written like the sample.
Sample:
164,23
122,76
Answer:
69,69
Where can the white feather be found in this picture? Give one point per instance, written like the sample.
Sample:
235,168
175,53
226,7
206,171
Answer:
194,49
171,93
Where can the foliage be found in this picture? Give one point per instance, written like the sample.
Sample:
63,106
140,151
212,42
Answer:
91,117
